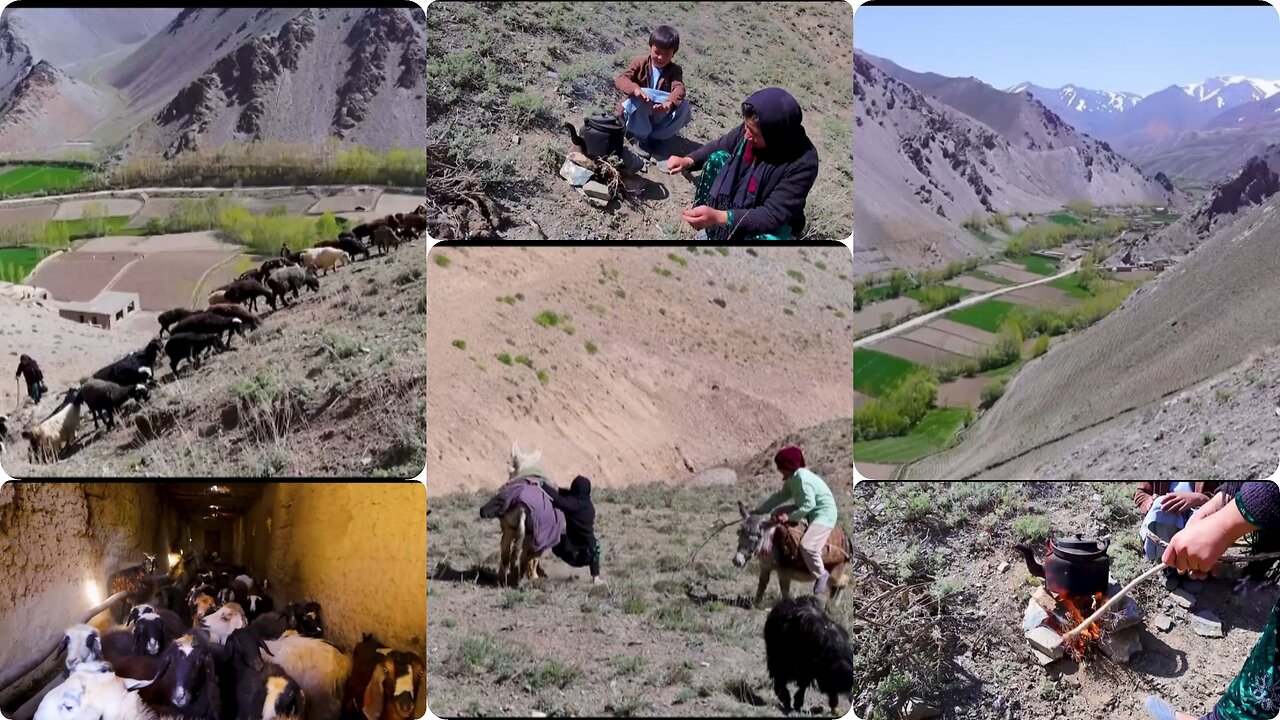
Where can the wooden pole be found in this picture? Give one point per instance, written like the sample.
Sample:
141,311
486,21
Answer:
1116,598
18,671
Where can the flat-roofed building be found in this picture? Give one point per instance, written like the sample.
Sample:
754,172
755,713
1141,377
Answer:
104,311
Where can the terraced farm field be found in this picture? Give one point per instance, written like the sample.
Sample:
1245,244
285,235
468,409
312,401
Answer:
934,433
875,373
31,178
1039,265
15,263
986,315
1071,286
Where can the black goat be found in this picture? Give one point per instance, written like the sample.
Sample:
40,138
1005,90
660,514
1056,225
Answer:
260,685
104,397
247,292
290,279
348,243
804,646
169,317
182,346
257,604
211,323
154,630
135,368
186,682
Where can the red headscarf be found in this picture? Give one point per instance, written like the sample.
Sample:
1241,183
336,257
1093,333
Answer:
789,459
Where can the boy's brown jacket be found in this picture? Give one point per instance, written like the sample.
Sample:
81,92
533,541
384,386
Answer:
636,75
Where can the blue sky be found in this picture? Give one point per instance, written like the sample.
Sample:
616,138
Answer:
1134,49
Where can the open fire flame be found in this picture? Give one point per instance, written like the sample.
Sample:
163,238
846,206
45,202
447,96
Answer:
1077,609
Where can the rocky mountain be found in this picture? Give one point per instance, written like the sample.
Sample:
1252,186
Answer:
926,160
1197,326
1093,112
169,81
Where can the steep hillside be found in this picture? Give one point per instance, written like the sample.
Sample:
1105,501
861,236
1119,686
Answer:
1017,157
1249,186
1205,316
73,38
330,386
291,75
46,108
627,365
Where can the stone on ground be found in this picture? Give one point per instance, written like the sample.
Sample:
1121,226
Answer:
1182,598
1163,622
1206,623
1120,646
1046,641
576,176
597,190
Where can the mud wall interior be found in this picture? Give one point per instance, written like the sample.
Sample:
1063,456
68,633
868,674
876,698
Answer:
59,542
359,549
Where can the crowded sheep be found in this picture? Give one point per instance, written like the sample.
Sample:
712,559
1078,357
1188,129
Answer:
192,335
186,654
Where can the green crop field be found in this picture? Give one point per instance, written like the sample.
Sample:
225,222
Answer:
876,293
1063,219
1071,286
935,432
875,373
1039,265
31,178
986,315
84,228
15,263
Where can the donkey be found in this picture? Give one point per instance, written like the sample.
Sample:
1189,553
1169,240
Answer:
517,549
755,538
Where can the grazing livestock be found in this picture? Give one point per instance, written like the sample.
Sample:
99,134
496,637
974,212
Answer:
289,279
804,646
186,682
247,292
320,668
82,643
250,320
153,631
210,323
135,368
348,243
169,317
325,258
384,684
218,297
103,398
182,346
385,240
413,224
56,432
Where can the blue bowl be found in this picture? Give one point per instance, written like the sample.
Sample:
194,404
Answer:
657,96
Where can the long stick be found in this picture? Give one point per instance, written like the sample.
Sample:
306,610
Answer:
1107,606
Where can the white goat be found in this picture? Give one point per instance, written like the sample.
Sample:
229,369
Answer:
325,258
55,433
82,644
226,620
94,692
319,668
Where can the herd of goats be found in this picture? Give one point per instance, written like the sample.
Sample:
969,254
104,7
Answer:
204,642
195,333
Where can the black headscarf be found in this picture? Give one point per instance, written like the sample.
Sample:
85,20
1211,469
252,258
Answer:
579,513
780,118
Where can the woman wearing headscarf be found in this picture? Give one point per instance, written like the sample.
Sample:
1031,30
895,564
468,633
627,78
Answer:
804,496
755,178
1254,694
578,546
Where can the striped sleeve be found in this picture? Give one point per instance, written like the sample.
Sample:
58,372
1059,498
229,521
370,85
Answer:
1259,503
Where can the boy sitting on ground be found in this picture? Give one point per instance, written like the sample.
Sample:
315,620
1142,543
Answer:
649,122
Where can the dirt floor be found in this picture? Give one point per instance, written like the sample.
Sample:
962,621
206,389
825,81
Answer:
962,391
80,276
111,207
945,341
637,646
645,376
975,284
27,213
968,332
916,352
868,318
559,63
955,538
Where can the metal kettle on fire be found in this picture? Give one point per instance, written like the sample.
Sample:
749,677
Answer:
1073,565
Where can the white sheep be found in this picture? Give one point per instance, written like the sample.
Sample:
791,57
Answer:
226,620
219,297
325,258
82,644
56,432
248,581
320,669
94,692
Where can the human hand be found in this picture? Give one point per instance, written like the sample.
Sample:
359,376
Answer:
704,217
676,164
1180,502
662,107
641,93
1215,504
1196,549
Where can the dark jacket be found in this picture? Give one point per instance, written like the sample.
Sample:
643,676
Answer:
769,192
579,513
29,370
1147,492
636,75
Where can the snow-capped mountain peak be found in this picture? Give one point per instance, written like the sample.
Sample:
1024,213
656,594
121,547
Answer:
1231,90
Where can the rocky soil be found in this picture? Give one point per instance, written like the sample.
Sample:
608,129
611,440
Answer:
956,538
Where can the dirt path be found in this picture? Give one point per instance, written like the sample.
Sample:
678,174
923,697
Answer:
925,319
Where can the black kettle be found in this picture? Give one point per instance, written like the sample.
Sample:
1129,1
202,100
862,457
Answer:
1074,565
